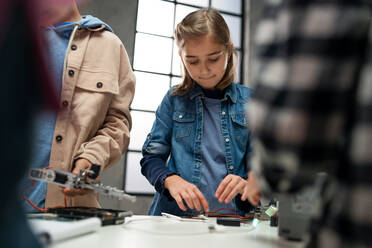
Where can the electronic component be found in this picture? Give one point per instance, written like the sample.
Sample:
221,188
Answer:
271,211
107,216
228,221
86,179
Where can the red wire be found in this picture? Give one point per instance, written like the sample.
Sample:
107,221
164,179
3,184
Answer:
231,210
31,203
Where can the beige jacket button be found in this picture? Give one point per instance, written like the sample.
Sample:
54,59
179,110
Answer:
73,47
99,85
59,138
71,73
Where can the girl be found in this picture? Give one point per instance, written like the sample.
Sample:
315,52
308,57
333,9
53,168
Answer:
202,126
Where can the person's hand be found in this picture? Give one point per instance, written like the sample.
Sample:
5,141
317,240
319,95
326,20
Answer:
80,164
180,190
251,190
230,186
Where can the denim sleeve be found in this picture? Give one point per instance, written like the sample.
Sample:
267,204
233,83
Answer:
154,169
156,148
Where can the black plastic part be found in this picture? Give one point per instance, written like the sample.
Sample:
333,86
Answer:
274,220
228,221
95,168
60,178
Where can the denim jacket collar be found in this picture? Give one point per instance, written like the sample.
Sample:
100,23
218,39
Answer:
230,92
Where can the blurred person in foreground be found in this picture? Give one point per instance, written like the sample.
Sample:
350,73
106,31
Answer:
312,110
25,89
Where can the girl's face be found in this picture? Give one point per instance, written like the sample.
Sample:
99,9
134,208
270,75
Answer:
205,60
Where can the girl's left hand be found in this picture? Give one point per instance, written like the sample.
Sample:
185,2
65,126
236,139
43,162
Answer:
230,186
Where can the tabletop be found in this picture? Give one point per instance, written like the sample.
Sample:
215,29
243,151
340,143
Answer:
156,231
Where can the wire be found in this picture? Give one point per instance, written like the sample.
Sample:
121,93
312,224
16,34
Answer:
235,214
167,226
29,201
228,209
32,204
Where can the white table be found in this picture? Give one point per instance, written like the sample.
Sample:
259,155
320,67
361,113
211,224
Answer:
151,231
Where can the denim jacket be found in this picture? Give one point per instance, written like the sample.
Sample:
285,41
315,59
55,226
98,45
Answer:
178,132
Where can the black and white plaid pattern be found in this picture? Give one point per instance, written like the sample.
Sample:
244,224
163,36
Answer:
312,108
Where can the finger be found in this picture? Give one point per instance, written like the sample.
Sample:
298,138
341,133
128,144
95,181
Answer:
180,202
243,197
195,199
252,200
238,188
187,199
81,164
76,170
229,187
223,185
257,197
202,200
245,194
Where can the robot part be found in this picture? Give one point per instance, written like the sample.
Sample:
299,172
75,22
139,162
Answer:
84,180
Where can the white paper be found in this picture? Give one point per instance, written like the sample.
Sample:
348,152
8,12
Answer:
54,230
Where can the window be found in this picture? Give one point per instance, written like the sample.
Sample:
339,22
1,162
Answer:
157,67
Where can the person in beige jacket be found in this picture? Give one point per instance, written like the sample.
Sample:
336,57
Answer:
95,91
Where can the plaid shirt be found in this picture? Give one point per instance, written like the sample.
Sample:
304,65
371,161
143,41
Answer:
312,109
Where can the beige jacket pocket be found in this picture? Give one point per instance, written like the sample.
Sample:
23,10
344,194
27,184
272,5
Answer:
98,81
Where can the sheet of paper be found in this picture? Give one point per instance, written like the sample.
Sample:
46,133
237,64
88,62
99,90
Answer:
52,230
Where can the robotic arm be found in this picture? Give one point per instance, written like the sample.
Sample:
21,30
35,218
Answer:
84,180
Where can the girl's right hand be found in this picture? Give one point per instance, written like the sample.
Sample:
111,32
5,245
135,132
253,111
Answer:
180,190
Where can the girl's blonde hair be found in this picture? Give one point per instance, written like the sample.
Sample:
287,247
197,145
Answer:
199,23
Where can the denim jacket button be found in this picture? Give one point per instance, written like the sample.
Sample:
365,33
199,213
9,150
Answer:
223,113
231,167
227,139
180,116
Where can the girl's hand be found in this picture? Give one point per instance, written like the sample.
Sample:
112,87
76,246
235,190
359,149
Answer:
252,191
79,164
180,190
232,185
